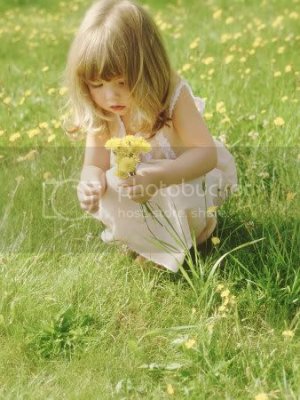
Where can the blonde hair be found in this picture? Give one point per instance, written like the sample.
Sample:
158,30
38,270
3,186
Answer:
119,38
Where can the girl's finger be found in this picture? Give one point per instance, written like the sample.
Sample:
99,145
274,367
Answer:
88,190
135,191
90,199
130,181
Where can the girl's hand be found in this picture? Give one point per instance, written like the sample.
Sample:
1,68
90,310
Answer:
91,188
89,195
142,186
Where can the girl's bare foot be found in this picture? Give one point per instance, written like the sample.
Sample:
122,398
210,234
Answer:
142,261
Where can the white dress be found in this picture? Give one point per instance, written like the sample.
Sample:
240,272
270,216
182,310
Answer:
180,210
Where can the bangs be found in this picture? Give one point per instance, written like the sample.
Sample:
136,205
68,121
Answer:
104,58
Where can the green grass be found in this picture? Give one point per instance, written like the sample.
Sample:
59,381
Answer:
80,320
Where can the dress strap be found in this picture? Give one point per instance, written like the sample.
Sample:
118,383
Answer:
175,96
199,102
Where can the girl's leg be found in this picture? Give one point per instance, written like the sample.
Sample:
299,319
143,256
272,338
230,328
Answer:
208,230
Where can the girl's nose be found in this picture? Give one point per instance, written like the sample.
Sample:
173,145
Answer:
112,93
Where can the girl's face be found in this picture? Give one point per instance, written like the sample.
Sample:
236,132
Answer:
113,95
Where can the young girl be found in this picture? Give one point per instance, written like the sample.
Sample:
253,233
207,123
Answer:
121,83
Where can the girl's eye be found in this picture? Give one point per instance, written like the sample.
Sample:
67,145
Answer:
122,83
96,84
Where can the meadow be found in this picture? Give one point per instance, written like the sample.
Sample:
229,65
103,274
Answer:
79,319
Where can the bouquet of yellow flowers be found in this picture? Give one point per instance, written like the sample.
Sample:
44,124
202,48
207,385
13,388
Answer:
127,151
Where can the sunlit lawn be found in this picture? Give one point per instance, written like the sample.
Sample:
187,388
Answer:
78,318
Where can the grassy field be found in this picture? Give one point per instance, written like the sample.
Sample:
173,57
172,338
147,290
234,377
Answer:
78,318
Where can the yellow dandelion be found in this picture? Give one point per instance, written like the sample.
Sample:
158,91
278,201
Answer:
294,15
56,124
208,60
225,37
193,310
290,196
228,59
284,98
14,137
136,144
212,209
215,240
217,14
219,287
253,135
113,144
45,69
225,293
186,67
276,74
51,91
170,389
229,20
226,300
29,156
27,93
220,107
288,68
247,71
261,396
281,50
63,90
237,35
47,175
190,343
177,35
127,165
277,21
208,116
43,125
33,132
279,121
51,138
243,59
1,133
288,333
257,42
7,100
194,43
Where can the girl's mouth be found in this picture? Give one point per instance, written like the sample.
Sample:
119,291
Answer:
118,108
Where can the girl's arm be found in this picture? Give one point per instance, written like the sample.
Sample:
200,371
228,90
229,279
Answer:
200,155
96,158
92,183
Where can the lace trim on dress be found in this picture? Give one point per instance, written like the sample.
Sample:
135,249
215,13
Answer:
200,103
165,145
175,96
